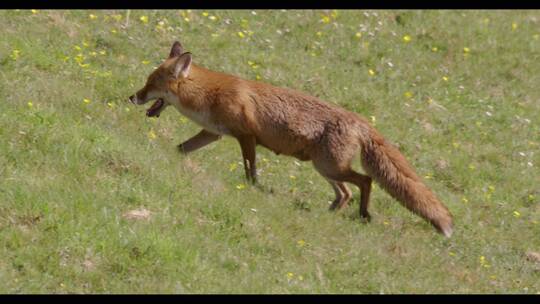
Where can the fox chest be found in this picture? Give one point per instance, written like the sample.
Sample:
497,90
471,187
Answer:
201,117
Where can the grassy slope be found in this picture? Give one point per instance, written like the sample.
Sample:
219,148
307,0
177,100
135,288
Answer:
70,169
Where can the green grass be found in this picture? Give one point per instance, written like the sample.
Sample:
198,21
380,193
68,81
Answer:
69,170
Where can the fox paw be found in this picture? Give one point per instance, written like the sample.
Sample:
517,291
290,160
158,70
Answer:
365,218
180,148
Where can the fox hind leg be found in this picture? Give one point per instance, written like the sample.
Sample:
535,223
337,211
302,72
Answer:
348,195
363,182
343,195
341,174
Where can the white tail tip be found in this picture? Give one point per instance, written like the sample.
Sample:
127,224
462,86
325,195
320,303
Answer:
447,232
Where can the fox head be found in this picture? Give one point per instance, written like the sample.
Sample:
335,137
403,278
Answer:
164,80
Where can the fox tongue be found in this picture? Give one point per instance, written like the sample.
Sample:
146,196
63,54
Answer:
154,109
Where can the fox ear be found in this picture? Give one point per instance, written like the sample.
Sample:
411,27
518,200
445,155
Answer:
176,49
182,66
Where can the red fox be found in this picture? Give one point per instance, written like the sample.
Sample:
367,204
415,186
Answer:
292,123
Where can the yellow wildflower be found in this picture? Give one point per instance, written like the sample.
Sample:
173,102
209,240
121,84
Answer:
205,14
213,18
445,78
466,50
86,100
517,214
34,11
408,94
434,49
145,62
407,38
371,72
325,19
241,35
301,243
151,134
15,54
358,35
30,104
514,26
144,19
240,186
464,200
92,16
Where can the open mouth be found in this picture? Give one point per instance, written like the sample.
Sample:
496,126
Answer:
156,108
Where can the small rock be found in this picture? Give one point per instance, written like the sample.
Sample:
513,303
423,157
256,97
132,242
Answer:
428,127
442,164
533,256
88,265
138,214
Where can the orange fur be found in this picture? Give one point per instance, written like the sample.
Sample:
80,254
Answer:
292,123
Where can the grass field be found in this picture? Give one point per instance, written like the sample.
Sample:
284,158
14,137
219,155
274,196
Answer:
457,91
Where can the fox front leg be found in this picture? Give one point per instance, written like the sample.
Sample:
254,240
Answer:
247,144
198,141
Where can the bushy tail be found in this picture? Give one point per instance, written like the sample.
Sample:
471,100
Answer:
389,168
